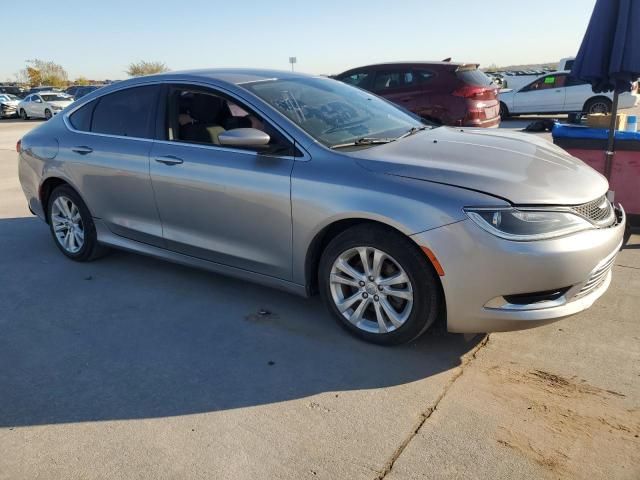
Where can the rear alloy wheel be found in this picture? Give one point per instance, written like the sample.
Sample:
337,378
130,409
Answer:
598,105
379,285
47,114
72,226
23,114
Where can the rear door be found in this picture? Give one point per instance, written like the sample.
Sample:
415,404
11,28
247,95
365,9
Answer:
546,94
109,144
577,93
396,85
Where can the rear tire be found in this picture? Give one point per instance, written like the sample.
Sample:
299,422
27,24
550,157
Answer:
72,227
377,306
598,105
23,114
47,114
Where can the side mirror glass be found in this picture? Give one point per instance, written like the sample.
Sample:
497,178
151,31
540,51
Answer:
244,137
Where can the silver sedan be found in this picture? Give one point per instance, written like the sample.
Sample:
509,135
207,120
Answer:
307,184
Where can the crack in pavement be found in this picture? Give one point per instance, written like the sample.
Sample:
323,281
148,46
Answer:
628,266
424,416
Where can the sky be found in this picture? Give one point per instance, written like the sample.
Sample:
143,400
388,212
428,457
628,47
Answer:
97,39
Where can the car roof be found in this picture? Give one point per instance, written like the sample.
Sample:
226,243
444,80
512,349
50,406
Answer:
233,75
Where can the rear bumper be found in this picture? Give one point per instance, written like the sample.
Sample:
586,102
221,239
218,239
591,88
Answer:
481,269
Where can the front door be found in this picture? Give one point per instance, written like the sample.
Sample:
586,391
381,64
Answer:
228,205
546,94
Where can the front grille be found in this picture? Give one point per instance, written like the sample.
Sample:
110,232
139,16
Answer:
599,211
597,277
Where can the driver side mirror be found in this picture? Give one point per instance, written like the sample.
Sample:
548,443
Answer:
37,100
244,137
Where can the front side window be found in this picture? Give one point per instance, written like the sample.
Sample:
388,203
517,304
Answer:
127,113
546,83
54,98
198,115
332,112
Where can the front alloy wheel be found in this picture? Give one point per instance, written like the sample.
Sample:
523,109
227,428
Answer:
379,284
371,290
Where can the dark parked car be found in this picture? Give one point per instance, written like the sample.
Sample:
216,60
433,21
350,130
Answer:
13,90
443,92
79,91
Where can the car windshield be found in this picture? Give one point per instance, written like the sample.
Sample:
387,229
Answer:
334,113
54,98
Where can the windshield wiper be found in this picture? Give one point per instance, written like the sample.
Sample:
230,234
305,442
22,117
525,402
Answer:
363,141
411,131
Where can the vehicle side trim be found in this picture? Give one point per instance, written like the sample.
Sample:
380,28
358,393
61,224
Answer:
106,237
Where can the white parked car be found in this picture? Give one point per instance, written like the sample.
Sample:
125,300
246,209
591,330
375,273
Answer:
43,105
558,93
8,105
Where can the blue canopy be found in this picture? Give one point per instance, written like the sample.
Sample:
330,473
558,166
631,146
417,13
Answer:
609,57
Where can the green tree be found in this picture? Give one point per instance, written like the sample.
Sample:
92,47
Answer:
138,69
81,81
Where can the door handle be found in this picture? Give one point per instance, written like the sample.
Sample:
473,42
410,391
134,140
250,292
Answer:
169,160
82,150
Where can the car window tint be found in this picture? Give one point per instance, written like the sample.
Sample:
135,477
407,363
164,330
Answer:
422,76
201,116
385,80
127,112
81,118
573,82
357,79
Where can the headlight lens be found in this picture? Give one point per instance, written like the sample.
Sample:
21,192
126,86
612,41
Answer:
527,225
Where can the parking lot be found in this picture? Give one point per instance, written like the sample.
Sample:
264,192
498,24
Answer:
130,367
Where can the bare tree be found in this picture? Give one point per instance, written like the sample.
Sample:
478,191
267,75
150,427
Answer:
44,72
138,69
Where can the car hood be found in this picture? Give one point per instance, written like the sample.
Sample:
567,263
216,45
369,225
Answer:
10,102
518,167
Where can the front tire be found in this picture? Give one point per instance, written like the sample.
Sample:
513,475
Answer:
379,285
23,114
72,226
504,111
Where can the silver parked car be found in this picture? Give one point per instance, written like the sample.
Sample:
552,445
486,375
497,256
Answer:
310,185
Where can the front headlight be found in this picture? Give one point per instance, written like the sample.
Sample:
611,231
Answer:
527,225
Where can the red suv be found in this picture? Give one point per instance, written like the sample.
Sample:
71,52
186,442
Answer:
447,93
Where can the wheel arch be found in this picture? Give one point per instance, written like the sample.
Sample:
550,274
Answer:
324,236
594,98
46,189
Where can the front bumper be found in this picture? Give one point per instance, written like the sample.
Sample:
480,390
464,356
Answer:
480,270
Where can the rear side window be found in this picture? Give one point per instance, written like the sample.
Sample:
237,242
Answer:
474,77
81,118
128,113
386,80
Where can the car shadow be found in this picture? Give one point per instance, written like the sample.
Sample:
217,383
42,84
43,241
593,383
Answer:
131,337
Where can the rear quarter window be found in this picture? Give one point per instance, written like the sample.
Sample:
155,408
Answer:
81,118
474,77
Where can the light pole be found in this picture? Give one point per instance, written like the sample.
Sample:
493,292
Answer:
292,60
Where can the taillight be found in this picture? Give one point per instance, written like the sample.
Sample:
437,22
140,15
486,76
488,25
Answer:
474,91
18,145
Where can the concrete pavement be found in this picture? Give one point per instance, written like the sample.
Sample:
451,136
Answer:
130,367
